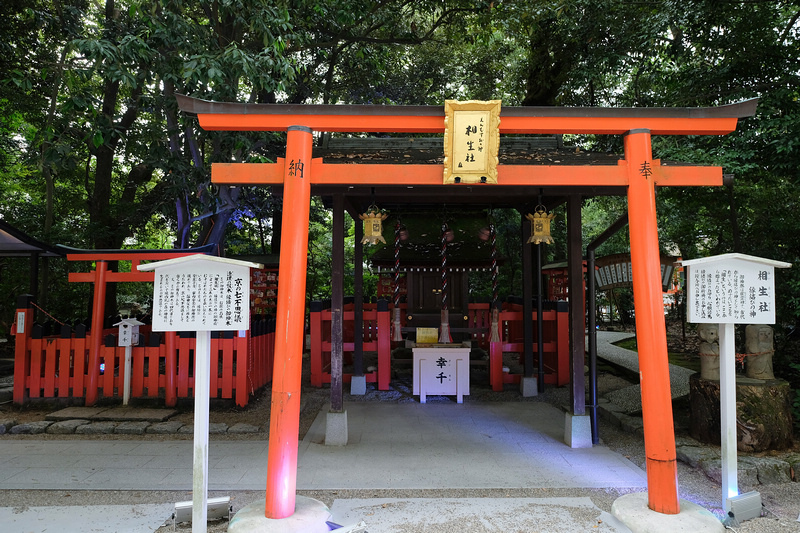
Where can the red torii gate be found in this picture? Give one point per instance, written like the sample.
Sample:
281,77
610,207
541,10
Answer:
101,276
638,172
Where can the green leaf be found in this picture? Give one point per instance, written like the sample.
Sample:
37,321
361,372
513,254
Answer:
97,139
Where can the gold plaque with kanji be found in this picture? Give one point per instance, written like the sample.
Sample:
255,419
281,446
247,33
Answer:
471,141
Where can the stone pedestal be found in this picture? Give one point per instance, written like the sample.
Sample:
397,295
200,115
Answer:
310,516
358,386
529,386
336,429
633,511
577,431
763,413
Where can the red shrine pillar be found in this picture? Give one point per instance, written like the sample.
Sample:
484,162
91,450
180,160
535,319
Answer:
98,310
659,437
284,424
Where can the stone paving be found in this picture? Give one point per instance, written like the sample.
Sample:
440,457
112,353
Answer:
622,408
85,427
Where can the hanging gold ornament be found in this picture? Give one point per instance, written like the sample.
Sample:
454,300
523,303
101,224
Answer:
540,226
373,225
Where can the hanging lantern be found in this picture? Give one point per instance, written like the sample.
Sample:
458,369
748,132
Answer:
373,225
540,226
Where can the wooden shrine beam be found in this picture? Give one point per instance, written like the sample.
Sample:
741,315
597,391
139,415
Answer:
234,116
402,174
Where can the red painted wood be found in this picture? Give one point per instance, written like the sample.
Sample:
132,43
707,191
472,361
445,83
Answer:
290,321
227,368
651,334
171,369
35,376
384,349
137,372
183,364
80,356
22,361
153,354
109,357
562,326
271,356
254,358
357,122
50,366
64,359
215,362
244,373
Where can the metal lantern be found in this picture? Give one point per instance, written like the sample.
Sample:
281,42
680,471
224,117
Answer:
373,225
540,226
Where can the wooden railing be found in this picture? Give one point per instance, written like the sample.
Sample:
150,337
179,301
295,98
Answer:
57,366
377,334
555,337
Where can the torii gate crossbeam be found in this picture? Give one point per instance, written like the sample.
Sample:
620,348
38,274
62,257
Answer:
638,172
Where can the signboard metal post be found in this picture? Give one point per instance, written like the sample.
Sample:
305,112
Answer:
201,293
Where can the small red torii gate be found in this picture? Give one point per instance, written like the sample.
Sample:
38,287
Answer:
638,172
101,276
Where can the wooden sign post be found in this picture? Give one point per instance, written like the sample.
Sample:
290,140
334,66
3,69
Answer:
730,289
128,336
201,293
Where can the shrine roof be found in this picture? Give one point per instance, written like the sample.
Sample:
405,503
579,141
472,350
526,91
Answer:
199,106
236,116
513,150
17,243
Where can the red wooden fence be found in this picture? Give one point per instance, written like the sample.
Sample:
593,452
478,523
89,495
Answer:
555,337
58,366
377,335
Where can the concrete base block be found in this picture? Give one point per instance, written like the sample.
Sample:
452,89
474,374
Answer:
358,385
577,431
309,516
529,386
336,429
632,510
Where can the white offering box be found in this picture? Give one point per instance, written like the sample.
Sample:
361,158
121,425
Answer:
441,371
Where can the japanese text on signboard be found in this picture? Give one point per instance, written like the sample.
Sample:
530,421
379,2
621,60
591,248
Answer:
471,141
200,301
738,293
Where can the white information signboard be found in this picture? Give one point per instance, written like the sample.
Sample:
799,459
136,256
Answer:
201,296
730,289
201,293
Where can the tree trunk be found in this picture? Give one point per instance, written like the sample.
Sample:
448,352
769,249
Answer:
763,413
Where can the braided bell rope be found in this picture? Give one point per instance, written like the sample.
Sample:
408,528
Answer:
444,266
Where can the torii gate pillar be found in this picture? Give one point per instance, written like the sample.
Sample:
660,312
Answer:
659,439
285,412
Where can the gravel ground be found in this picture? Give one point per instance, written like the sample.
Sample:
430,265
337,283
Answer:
781,501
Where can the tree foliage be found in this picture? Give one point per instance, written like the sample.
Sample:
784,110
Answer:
94,152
